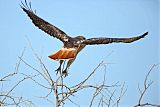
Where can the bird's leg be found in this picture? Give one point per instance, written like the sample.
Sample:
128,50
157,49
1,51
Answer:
64,72
59,68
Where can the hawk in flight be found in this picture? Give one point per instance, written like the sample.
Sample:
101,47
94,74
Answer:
72,45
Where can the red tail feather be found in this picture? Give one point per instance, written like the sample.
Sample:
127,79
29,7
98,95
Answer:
64,53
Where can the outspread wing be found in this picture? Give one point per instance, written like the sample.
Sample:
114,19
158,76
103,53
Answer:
44,25
93,41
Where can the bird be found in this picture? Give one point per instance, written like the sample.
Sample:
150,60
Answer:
71,45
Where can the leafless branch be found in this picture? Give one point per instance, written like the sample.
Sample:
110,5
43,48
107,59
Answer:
122,92
143,91
6,97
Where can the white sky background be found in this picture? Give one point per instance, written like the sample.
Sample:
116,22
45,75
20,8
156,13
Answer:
98,18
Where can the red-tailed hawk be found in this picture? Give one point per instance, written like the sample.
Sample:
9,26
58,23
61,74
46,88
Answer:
72,45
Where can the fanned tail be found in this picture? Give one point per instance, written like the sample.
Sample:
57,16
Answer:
64,53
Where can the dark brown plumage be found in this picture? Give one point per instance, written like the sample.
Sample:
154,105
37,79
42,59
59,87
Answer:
72,46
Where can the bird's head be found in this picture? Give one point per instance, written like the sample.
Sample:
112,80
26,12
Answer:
80,38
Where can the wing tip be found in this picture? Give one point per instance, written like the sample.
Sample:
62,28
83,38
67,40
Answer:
146,33
26,7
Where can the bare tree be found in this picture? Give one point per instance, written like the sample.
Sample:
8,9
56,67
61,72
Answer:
58,88
103,95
